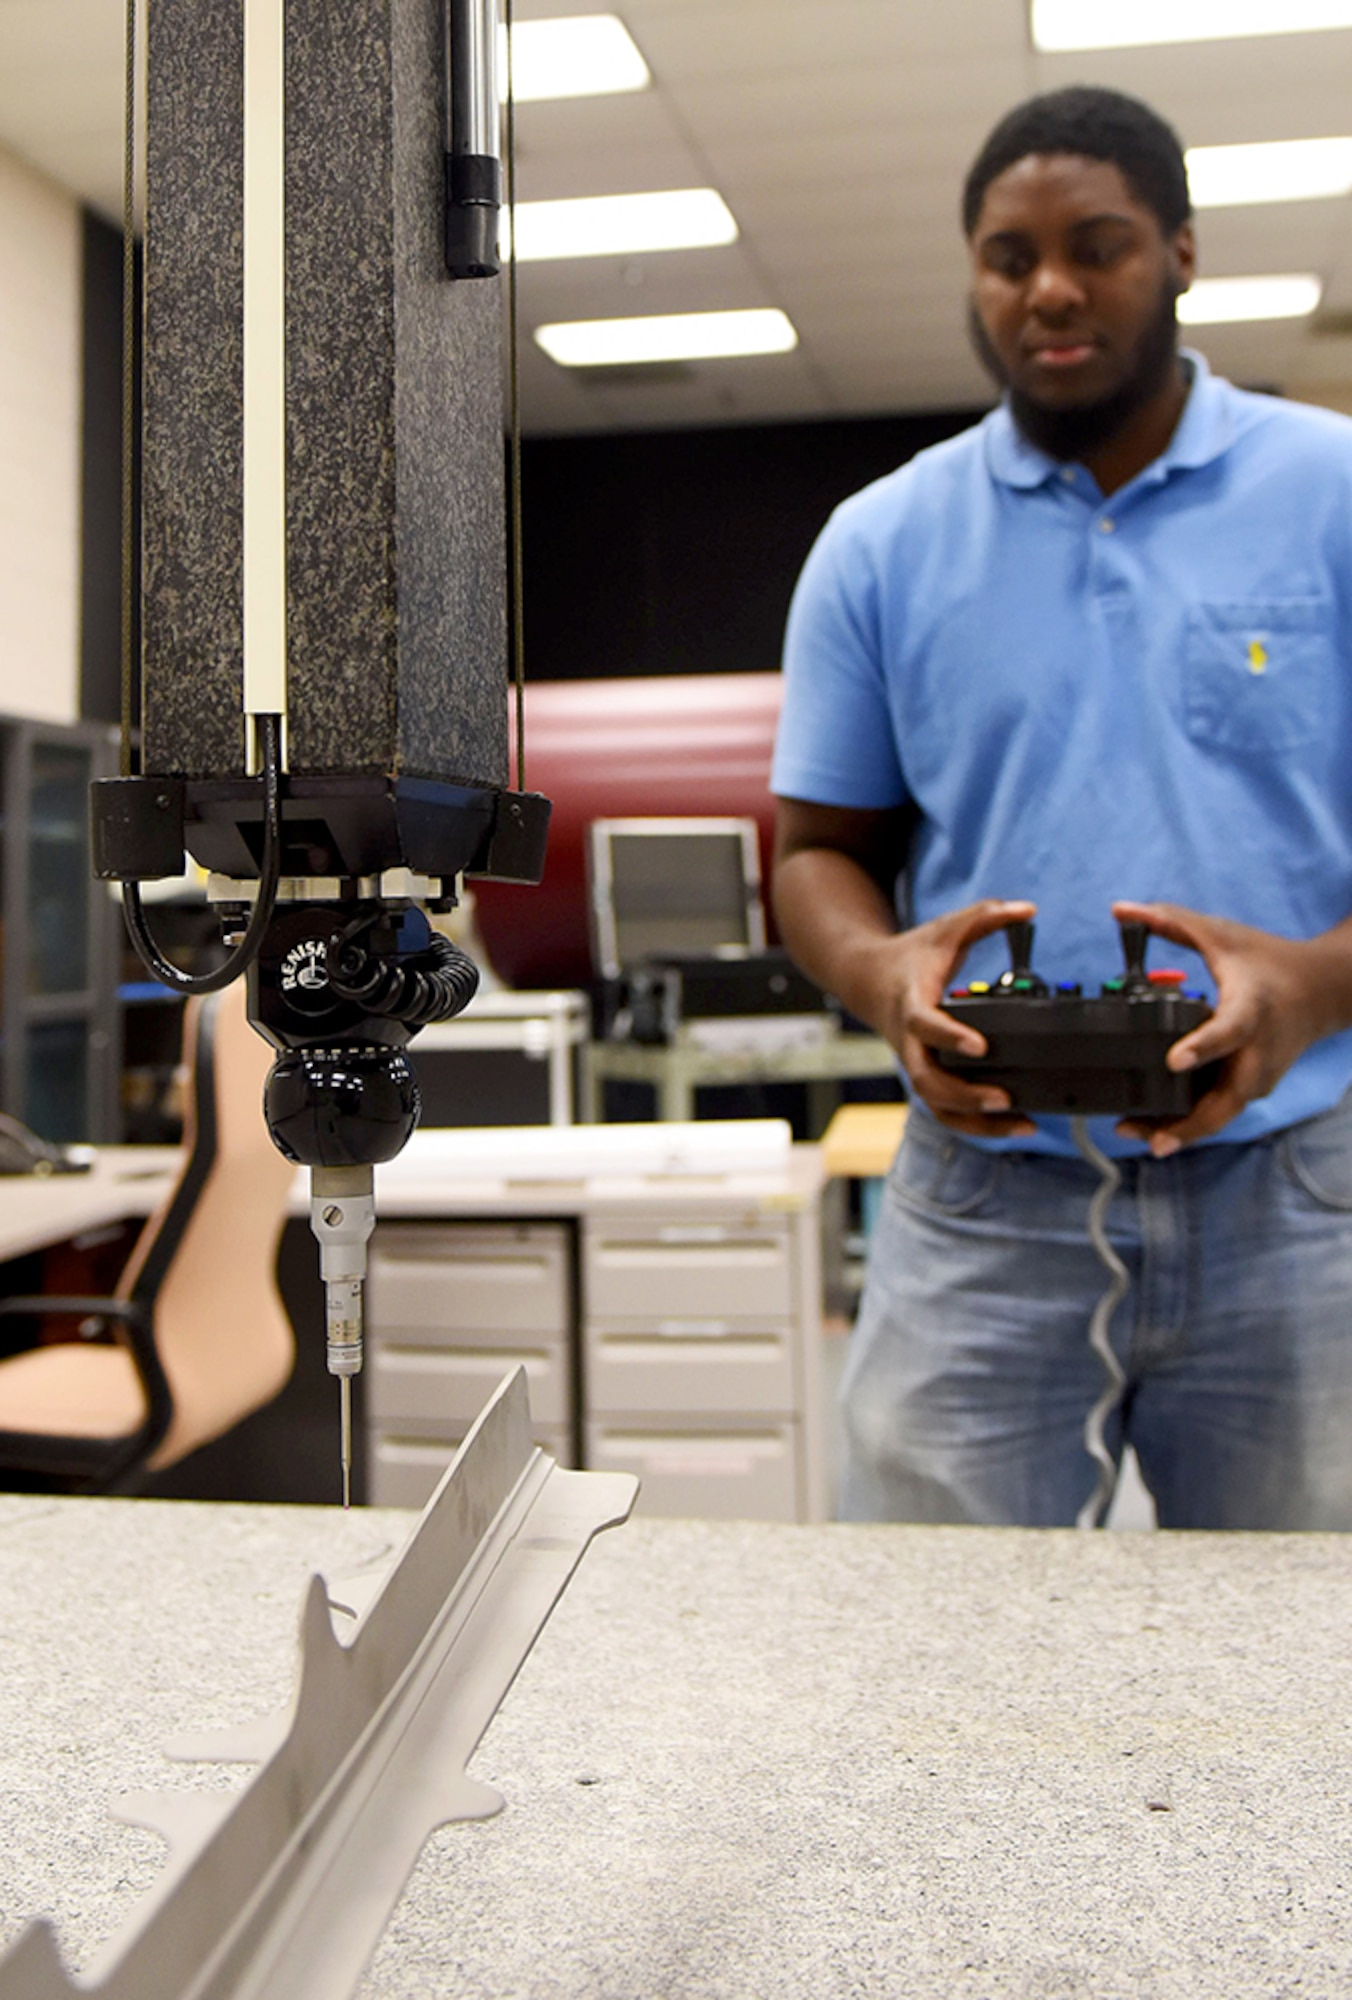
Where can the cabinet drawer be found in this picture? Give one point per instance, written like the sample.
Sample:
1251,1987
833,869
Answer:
402,1470
454,1383
691,1366
490,1280
725,1475
693,1271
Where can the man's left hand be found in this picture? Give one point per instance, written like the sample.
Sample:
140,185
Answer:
1274,997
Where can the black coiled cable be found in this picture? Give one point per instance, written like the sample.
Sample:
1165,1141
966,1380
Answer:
434,984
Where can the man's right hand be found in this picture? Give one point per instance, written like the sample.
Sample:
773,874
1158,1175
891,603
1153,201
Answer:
835,880
901,982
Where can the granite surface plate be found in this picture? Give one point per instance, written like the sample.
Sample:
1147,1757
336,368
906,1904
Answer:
751,1760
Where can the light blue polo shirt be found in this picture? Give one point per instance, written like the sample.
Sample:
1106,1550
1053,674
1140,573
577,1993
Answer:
1147,696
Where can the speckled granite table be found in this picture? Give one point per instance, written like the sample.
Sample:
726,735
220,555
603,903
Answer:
753,1761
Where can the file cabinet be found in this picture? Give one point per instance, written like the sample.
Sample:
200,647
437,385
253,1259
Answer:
452,1306
669,1327
699,1355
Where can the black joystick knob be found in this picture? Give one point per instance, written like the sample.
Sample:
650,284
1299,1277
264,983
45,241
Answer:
1020,935
1021,977
1134,938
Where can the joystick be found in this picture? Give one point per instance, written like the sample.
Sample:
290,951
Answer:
1020,977
1053,1048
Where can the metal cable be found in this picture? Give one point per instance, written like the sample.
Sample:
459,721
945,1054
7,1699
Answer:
1091,1515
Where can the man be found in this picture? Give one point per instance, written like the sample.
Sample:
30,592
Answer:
1092,658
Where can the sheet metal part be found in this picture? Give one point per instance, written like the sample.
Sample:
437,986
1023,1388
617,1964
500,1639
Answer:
281,1892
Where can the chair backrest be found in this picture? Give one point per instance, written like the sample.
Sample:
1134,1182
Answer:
208,1259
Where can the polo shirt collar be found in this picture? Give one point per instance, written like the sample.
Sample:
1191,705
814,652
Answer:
1203,432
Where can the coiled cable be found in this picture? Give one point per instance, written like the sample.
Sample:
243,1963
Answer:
434,984
1091,1515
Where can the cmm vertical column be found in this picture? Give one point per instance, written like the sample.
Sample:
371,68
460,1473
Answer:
394,536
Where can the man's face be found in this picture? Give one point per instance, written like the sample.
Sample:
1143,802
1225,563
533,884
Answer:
1073,291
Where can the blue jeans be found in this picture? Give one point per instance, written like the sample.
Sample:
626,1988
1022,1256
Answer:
970,1375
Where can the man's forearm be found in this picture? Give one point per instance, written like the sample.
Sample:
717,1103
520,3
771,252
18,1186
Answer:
1334,998
834,917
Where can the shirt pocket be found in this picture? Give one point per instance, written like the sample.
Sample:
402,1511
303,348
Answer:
1258,674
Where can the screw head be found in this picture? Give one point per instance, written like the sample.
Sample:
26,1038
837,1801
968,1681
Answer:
333,1215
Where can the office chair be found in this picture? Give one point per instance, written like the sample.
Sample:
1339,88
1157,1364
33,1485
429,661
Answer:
199,1334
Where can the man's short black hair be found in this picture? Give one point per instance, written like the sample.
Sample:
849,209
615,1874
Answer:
1100,125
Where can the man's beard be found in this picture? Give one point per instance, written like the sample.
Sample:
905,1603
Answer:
1076,431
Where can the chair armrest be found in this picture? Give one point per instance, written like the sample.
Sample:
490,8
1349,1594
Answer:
139,1338
40,1303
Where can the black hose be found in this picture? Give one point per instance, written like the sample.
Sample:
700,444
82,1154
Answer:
269,874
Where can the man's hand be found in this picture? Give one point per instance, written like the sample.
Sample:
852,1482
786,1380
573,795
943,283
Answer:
907,976
835,875
1274,997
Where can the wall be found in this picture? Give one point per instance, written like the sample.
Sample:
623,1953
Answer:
676,552
40,414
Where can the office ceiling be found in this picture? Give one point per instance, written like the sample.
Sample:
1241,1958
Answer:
838,132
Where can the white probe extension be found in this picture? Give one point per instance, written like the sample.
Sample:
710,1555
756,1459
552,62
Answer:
1096,1506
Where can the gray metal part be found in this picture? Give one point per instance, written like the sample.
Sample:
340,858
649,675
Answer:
281,1892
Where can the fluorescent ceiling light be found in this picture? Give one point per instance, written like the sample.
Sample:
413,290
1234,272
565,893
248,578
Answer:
1121,24
587,55
1281,170
598,343
1213,301
612,225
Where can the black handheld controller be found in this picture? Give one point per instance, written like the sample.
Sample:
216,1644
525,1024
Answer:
1058,1049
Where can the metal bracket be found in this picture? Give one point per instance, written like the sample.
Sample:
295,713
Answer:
281,1892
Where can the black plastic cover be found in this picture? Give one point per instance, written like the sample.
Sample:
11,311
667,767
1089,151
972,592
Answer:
136,828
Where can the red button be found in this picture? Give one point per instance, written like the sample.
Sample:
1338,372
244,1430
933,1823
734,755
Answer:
1166,976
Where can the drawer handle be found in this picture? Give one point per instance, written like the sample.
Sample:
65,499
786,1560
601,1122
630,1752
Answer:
694,1329
711,1232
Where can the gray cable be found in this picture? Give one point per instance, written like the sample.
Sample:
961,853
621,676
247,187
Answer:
1092,1513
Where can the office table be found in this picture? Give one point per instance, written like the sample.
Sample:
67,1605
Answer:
753,1760
677,1069
124,1182
663,1287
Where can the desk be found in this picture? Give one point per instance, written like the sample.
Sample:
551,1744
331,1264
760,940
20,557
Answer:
125,1182
670,1320
818,1763
678,1069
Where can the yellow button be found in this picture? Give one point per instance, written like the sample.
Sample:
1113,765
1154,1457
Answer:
979,986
